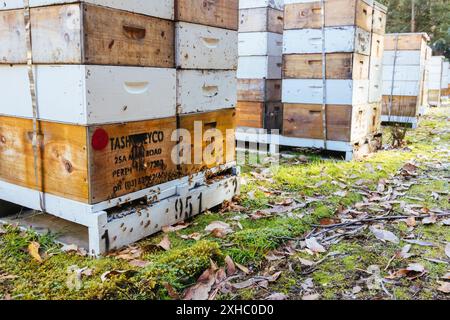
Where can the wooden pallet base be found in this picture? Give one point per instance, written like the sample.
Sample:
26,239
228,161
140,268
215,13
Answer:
120,222
352,151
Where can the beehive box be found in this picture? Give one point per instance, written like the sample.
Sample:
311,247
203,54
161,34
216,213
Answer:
155,8
261,19
92,163
83,33
217,13
89,94
212,140
204,47
445,76
259,90
305,14
435,68
404,73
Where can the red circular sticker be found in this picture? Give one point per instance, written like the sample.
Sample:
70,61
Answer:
100,139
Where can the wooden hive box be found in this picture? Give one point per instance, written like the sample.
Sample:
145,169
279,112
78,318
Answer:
339,92
337,39
155,8
259,90
87,34
339,66
344,122
250,114
263,19
212,140
379,18
88,164
205,90
88,94
260,67
445,75
301,14
261,115
217,13
260,44
204,47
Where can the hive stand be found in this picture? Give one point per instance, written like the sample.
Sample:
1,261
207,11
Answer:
122,221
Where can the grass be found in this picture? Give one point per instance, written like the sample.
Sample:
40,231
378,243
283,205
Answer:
318,183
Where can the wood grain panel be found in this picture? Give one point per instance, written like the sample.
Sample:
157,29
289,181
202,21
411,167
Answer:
337,13
306,121
402,106
138,155
412,41
339,66
250,114
88,34
260,90
216,13
62,157
208,142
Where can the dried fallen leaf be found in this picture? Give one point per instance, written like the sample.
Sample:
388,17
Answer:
272,256
33,250
356,290
243,268
311,297
201,290
445,287
429,220
5,277
219,229
139,263
445,222
194,236
165,243
404,254
114,273
231,267
314,246
306,262
411,222
277,297
171,291
447,250
384,235
420,243
178,227
446,276
416,267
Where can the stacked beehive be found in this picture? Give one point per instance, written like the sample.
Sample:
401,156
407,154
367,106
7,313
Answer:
448,83
259,72
344,111
404,74
426,81
445,77
206,59
435,67
108,90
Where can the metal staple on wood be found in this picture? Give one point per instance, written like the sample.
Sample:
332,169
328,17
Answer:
324,77
32,83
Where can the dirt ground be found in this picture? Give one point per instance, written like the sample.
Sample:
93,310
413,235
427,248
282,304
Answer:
308,228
